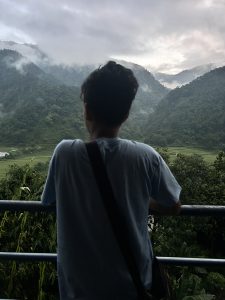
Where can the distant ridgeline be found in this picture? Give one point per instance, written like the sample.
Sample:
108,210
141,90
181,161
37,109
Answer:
149,94
40,105
192,115
185,76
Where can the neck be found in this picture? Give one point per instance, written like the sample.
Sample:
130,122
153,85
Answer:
103,132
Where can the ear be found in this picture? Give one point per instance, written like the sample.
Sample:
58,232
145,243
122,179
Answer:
87,113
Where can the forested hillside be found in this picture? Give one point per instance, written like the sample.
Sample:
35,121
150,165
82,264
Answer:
35,108
43,107
192,115
183,77
149,94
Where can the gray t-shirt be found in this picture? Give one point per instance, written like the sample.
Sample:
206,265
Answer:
90,264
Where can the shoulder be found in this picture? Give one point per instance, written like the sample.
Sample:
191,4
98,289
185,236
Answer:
143,153
66,146
146,149
142,149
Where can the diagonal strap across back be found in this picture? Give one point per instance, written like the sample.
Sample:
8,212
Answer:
115,217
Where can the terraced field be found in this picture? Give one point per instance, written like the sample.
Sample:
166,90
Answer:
45,155
22,159
208,156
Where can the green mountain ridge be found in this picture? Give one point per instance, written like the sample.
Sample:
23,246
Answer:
39,108
192,115
185,76
35,108
149,94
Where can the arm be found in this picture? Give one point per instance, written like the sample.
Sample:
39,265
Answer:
164,210
164,198
48,196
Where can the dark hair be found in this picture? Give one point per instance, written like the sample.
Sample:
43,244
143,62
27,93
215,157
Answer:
109,92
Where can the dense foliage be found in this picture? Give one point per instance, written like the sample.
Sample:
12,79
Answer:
172,236
24,232
196,236
192,115
34,107
148,96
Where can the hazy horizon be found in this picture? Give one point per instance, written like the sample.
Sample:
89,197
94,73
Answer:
164,36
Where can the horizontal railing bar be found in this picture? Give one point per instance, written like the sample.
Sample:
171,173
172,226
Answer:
52,257
37,206
22,205
197,262
20,256
203,210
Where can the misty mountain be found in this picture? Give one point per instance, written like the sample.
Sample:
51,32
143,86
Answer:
69,75
149,94
38,108
35,108
192,115
18,77
150,90
176,80
32,52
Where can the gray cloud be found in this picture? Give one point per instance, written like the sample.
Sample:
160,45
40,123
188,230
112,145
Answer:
18,65
168,35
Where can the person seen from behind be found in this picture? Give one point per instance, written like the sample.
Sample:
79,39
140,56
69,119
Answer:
90,264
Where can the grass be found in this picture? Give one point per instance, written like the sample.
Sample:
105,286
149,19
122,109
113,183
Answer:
209,156
30,158
45,155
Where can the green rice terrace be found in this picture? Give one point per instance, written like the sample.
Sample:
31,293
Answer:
32,156
21,157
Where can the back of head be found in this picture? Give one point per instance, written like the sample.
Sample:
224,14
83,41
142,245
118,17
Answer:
108,92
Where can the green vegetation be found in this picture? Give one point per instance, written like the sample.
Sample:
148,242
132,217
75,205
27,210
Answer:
24,232
37,111
30,159
208,156
149,94
21,156
35,108
202,183
192,115
195,236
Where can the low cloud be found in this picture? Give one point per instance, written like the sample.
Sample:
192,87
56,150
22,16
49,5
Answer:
18,64
177,34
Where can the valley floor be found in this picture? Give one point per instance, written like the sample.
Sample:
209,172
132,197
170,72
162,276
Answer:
32,157
209,156
20,158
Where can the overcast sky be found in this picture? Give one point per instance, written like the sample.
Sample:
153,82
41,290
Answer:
168,35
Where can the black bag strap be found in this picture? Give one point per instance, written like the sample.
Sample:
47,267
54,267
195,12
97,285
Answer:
114,215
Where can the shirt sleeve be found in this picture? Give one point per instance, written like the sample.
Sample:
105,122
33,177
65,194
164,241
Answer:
165,188
48,196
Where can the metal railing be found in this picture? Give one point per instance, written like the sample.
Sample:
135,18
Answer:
186,210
